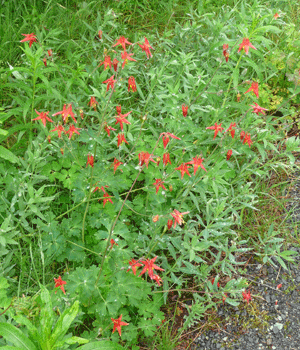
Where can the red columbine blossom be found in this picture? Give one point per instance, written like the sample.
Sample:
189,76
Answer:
66,112
108,129
184,110
247,296
146,47
279,286
29,37
242,135
110,82
178,217
71,131
113,242
245,45
131,84
119,109
106,62
166,159
159,183
149,266
229,154
121,118
225,53
50,53
166,138
276,15
60,283
217,128
126,57
93,103
232,131
197,162
145,158
247,139
121,139
170,223
90,160
107,198
184,168
257,109
133,265
254,88
117,163
43,116
115,64
118,323
59,130
157,279
122,41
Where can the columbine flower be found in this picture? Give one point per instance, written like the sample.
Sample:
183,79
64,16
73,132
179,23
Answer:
146,47
183,168
71,131
254,88
184,110
29,37
45,61
121,139
113,242
121,118
217,128
108,129
157,279
119,109
93,103
60,283
246,296
149,266
110,82
178,217
245,45
90,161
242,135
122,41
197,162
117,163
133,265
166,138
257,109
276,15
247,139
43,116
131,84
225,53
166,159
170,223
106,62
66,112
232,131
126,57
118,323
106,198
158,183
229,154
59,130
115,64
50,53
145,158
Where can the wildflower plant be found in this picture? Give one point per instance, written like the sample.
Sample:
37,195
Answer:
138,138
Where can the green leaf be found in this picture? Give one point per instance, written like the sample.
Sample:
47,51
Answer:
74,340
102,345
46,316
8,155
15,336
9,348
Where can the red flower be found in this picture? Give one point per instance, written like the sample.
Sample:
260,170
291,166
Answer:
71,131
126,57
217,128
60,283
118,323
229,154
170,223
166,138
133,265
66,112
121,139
155,218
108,129
254,88
184,110
159,183
93,102
117,163
279,286
113,242
106,62
122,119
232,131
110,82
246,296
49,138
43,116
245,45
45,61
29,37
225,53
149,266
100,34
157,279
145,158
115,64
90,161
242,135
59,130
276,15
247,139
122,41
257,109
106,198
197,162
118,108
166,159
50,53
146,47
238,97
183,168
178,217
131,84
